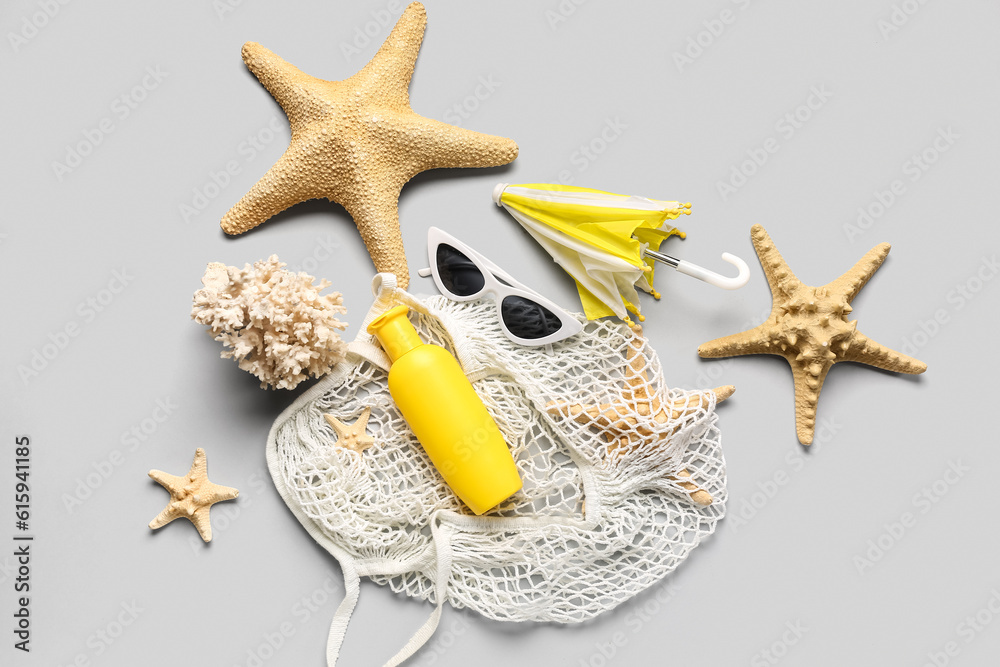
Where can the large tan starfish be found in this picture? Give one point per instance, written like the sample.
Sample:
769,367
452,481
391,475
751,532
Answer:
808,326
191,496
619,419
357,142
353,436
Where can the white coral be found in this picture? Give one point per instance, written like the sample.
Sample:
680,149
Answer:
273,322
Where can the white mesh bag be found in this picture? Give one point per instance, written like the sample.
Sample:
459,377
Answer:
623,476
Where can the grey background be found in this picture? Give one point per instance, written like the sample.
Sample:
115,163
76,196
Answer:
556,83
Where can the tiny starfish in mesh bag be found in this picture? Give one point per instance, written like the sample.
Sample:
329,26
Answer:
353,436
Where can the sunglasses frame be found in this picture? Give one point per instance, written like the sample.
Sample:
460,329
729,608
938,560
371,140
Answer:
499,284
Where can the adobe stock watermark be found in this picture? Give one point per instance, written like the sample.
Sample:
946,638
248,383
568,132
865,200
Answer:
922,502
300,613
898,17
461,111
769,488
224,515
639,613
323,251
912,170
224,8
966,631
777,650
36,21
8,568
377,28
787,125
120,109
446,637
562,12
104,637
712,30
588,152
86,312
958,297
130,440
217,180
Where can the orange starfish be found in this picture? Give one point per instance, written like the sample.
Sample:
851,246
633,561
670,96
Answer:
639,400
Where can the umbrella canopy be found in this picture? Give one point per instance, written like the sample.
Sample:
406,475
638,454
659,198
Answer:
599,238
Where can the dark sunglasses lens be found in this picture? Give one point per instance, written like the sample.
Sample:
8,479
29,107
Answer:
458,273
527,319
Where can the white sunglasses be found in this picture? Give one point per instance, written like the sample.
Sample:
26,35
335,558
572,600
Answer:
462,274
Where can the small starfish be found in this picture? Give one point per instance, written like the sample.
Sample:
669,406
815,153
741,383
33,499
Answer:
638,400
353,437
357,142
192,496
808,326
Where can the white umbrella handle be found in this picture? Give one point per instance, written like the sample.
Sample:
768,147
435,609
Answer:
713,278
710,277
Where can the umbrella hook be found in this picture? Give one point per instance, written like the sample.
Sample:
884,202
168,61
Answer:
710,277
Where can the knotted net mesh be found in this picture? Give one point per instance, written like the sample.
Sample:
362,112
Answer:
623,476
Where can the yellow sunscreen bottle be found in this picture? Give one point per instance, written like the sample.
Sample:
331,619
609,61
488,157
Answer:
446,414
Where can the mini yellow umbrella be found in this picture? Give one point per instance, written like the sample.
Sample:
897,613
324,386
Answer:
606,242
